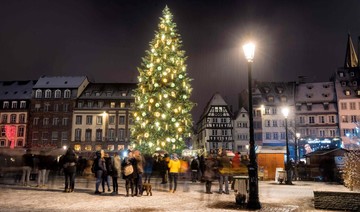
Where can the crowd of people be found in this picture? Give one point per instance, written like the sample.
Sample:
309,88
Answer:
134,170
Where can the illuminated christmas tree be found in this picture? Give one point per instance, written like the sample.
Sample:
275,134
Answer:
162,119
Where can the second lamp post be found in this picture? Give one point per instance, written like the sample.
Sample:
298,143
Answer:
288,165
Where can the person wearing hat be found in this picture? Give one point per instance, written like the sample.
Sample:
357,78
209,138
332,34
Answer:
174,166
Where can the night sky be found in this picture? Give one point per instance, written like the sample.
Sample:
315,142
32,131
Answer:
106,39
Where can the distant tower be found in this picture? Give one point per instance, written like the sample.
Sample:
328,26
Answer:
351,59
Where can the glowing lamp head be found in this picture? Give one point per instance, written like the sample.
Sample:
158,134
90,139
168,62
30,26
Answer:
297,135
249,51
285,112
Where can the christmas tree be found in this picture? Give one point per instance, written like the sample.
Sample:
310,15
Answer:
162,119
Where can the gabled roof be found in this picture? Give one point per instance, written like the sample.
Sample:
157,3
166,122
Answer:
217,100
239,112
60,82
351,59
12,90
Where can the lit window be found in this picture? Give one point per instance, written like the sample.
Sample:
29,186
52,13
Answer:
77,147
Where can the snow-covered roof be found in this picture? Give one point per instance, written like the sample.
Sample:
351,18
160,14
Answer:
60,82
11,90
315,92
108,91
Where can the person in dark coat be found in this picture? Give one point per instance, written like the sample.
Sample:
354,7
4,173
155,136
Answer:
194,165
106,174
99,168
131,178
44,166
69,165
164,169
28,164
209,173
148,169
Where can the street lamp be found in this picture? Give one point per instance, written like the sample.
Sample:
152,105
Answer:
288,181
297,137
253,203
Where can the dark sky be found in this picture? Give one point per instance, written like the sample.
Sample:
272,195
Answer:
106,39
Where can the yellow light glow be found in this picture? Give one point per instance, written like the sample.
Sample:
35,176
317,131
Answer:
249,51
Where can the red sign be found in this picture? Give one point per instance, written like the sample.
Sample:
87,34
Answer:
10,132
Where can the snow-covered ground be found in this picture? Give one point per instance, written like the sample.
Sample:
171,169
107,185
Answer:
188,197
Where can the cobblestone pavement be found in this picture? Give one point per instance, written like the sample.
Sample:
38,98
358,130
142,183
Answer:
188,197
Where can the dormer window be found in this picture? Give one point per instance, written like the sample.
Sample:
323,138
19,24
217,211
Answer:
38,93
298,106
358,92
123,93
270,99
343,83
97,93
266,89
325,95
326,105
67,93
283,99
354,83
309,95
341,74
309,106
48,93
347,92
280,90
57,94
352,74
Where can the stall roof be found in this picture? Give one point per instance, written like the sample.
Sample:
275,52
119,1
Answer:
271,150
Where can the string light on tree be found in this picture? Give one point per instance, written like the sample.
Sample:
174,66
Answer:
163,105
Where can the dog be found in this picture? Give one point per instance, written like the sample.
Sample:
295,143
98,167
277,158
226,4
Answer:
147,187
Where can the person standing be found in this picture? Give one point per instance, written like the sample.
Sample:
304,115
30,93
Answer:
116,172
99,168
163,168
224,170
194,165
42,169
28,164
174,166
209,173
69,165
129,177
106,173
140,170
148,169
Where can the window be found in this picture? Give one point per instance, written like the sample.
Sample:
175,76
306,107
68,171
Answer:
65,121
99,135
111,119
110,147
121,119
13,118
282,135
37,107
122,104
321,119
88,135
46,121
267,111
214,132
66,107
352,106
57,94
88,148
302,120
223,132
322,133
274,110
67,93
20,142
270,99
311,119
332,133
80,104
46,107
5,104
353,118
64,136
90,104
22,118
309,106
78,120
38,94
55,121
332,119
56,107
275,123
344,118
48,93
89,120
3,132
267,123
99,119
77,147
111,134
112,104
101,104
326,105
276,136
77,134
347,92
22,104
267,136
21,131
36,121
44,136
121,134
4,118
54,136
14,104
2,142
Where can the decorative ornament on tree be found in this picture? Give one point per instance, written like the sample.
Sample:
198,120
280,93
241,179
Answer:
166,99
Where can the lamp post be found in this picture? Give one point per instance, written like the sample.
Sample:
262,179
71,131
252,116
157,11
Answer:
253,203
297,137
288,181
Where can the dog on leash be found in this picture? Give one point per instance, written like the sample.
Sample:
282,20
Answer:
147,187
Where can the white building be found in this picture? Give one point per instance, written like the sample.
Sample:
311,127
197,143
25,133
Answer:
241,132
